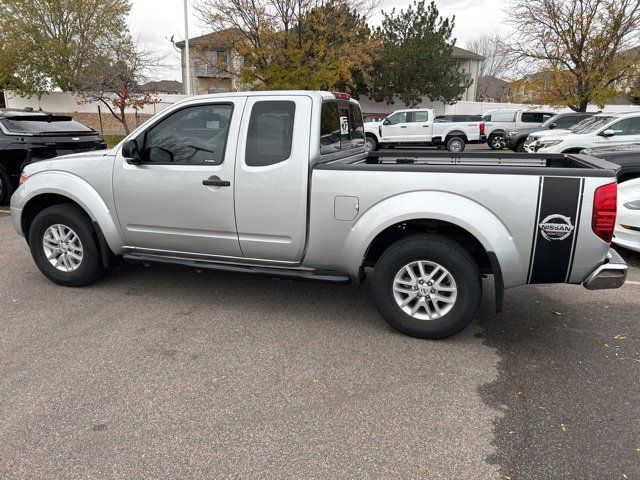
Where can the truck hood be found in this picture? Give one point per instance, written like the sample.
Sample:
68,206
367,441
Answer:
547,134
70,162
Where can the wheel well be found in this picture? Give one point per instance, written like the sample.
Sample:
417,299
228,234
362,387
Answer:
573,150
372,135
496,132
401,230
39,203
455,133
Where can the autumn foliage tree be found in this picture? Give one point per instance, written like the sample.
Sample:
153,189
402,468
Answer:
48,44
577,48
115,82
292,44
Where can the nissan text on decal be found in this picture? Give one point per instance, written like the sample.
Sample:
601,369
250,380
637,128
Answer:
279,184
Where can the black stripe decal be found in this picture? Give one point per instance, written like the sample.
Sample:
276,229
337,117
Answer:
555,229
535,229
577,230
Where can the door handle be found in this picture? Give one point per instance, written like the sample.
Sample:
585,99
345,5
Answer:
425,126
403,126
215,181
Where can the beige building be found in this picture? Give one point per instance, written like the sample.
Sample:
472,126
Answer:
213,62
469,66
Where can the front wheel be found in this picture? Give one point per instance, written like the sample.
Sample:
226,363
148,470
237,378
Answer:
427,286
455,144
63,246
496,141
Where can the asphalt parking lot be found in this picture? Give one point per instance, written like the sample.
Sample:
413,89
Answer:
164,372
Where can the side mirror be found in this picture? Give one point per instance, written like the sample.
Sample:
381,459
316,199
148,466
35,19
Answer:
552,126
385,121
608,133
131,152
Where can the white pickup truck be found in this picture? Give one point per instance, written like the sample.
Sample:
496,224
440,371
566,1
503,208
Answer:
419,127
499,122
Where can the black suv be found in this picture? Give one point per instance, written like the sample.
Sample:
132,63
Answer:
27,136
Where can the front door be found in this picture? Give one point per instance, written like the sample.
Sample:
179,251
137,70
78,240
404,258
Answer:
625,131
394,128
179,197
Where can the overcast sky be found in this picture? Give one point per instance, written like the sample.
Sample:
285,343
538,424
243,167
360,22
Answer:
153,22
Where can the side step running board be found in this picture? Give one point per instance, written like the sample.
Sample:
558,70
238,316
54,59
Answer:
250,269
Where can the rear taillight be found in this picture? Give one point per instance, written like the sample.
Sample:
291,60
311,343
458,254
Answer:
481,128
342,95
605,201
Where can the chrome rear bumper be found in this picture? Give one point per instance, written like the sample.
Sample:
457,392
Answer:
611,274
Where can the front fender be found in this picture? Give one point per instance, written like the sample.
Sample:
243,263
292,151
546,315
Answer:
435,205
77,190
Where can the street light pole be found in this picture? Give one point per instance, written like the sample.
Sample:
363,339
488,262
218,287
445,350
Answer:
186,48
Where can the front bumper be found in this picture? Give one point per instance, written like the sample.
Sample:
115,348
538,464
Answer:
611,274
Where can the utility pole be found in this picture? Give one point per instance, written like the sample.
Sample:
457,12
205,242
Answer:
186,49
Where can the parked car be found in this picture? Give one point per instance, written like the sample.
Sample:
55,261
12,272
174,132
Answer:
627,232
418,127
242,182
515,139
499,122
626,156
603,129
27,136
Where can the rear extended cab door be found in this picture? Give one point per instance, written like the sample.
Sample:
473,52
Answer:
271,177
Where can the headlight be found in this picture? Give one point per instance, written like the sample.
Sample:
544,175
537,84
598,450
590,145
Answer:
549,143
511,133
635,205
23,177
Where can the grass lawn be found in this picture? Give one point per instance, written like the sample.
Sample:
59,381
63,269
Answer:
112,140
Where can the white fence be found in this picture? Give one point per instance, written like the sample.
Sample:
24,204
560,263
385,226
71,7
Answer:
63,102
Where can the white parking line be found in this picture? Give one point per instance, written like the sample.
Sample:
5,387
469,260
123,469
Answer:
5,211
632,282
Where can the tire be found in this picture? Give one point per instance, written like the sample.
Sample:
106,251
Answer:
448,255
456,144
5,187
520,146
496,141
78,273
370,144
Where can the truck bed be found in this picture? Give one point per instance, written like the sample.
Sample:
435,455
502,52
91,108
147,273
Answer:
575,165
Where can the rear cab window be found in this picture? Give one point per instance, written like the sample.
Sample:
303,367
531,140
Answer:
270,134
341,127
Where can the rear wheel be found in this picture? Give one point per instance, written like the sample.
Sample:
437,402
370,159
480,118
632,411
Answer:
5,187
496,141
520,146
427,286
63,246
370,144
456,144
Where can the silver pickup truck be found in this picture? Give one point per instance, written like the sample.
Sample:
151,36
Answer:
279,184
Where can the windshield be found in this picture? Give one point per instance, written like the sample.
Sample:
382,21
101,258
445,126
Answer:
590,125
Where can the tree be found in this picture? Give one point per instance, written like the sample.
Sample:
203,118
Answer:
579,46
496,60
292,44
415,59
122,68
49,44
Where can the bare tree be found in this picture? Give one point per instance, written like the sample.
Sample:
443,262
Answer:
115,80
578,48
496,63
